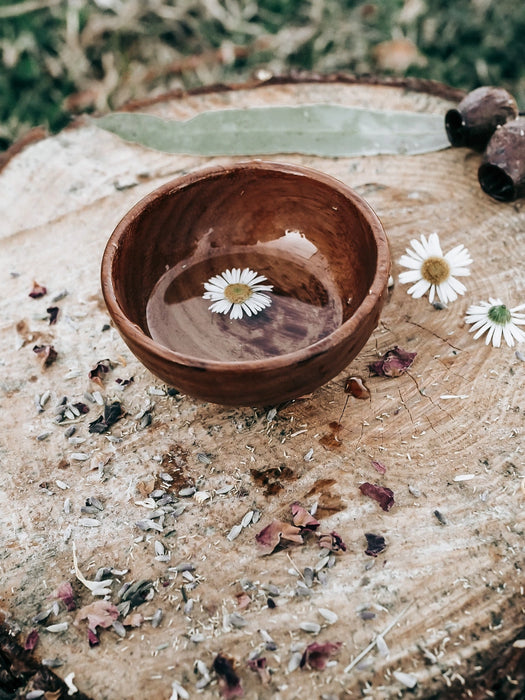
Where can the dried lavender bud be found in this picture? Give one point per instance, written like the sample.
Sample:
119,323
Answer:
502,173
478,115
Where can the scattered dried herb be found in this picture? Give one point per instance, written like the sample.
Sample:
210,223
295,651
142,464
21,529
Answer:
82,407
229,682
381,494
271,535
393,363
124,382
356,387
302,518
46,354
375,544
37,291
317,655
112,413
52,311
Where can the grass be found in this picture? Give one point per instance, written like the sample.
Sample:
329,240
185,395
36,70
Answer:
62,57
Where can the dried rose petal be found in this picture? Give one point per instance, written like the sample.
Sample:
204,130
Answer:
271,535
393,363
376,544
316,655
112,413
332,541
65,593
302,518
384,496
46,354
37,291
133,620
243,600
378,466
31,640
82,407
356,387
100,613
259,665
100,369
53,314
92,638
229,682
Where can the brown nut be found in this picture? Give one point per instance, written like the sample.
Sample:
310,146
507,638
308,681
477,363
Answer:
502,173
478,115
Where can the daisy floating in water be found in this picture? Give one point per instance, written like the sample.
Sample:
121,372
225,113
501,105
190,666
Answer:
236,292
495,319
433,272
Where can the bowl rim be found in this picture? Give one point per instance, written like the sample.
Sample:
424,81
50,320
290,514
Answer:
134,332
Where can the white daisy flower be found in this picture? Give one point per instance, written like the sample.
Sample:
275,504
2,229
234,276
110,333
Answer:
430,270
493,316
236,292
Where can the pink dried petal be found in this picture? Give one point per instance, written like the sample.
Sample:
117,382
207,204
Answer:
92,638
302,518
259,665
356,387
316,655
100,369
270,536
101,613
376,544
332,541
65,593
378,466
31,640
381,494
53,314
37,291
229,682
243,600
393,363
46,354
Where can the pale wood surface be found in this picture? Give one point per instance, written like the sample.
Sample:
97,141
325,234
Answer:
61,198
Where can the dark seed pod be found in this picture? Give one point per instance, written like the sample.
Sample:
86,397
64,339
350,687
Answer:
478,115
502,173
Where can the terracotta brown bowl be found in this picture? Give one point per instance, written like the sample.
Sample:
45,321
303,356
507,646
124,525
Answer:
318,243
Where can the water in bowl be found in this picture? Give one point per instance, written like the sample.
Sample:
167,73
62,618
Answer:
305,308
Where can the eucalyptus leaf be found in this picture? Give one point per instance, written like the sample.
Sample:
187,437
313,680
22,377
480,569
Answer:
321,130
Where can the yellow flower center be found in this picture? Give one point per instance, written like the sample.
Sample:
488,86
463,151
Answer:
237,293
435,270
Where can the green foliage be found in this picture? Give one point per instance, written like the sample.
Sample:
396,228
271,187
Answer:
91,55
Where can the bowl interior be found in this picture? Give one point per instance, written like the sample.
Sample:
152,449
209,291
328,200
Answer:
311,237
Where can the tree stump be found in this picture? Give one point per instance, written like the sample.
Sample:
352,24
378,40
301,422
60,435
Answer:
167,503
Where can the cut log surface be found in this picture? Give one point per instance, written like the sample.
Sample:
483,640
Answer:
448,587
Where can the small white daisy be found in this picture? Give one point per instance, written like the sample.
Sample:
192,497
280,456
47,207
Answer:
493,316
430,270
236,292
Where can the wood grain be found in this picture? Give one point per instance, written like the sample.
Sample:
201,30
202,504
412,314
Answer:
457,575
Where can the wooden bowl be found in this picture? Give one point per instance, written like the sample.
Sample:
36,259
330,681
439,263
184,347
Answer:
319,245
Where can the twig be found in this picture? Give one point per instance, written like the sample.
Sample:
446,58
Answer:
373,643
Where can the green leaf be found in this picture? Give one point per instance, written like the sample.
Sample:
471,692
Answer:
321,130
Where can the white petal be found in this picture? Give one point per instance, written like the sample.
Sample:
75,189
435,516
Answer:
496,339
507,334
421,248
433,246
431,294
517,308
220,307
446,292
236,311
213,296
490,334
484,328
456,285
412,263
517,333
246,308
409,276
418,289
262,288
